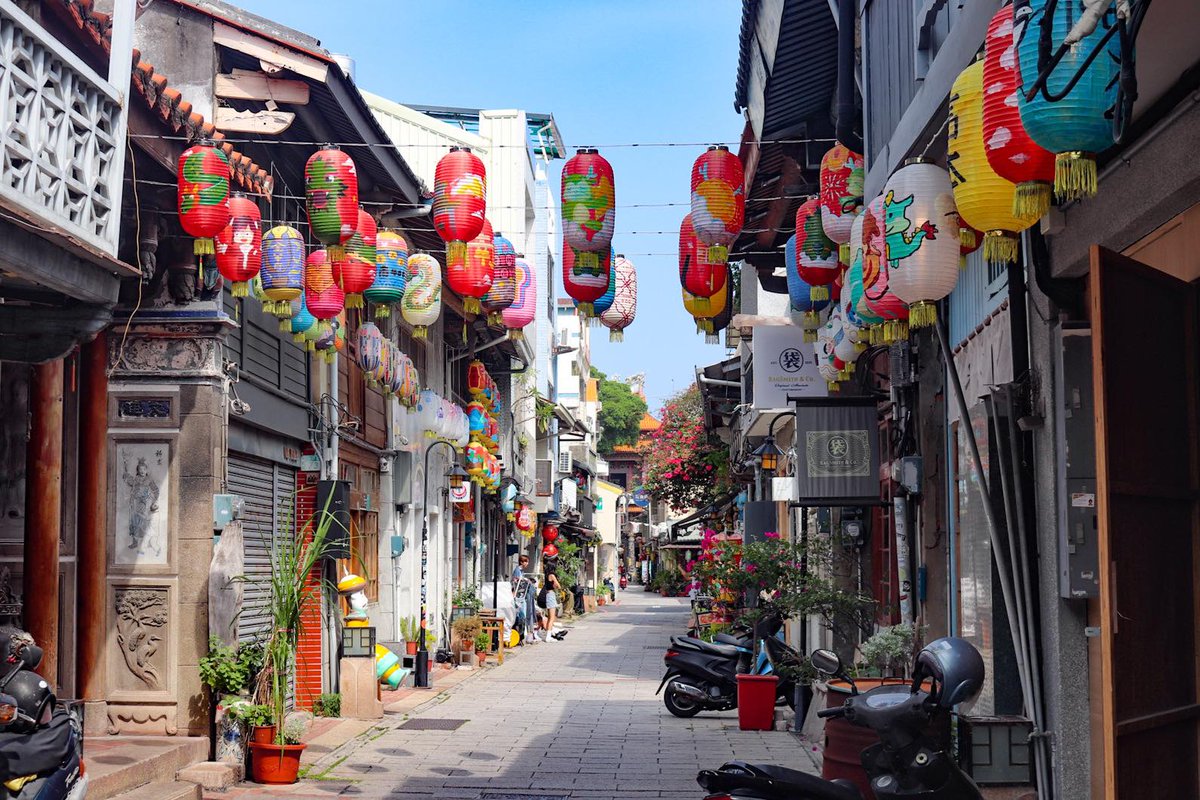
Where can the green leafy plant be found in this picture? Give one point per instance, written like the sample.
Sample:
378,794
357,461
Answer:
568,562
466,597
709,634
230,669
466,628
327,705
410,629
293,730
483,641
890,650
621,413
254,715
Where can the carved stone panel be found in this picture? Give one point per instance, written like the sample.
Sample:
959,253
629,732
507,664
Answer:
156,357
142,619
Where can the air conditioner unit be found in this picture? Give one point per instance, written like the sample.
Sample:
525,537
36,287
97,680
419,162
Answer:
564,461
545,477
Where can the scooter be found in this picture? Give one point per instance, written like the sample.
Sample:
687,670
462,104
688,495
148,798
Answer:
703,675
905,763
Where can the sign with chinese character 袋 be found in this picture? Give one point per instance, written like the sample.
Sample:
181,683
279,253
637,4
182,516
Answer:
784,366
837,452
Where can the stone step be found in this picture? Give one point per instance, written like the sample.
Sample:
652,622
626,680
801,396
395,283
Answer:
122,763
212,776
162,790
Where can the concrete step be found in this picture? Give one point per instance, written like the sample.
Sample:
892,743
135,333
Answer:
212,776
162,790
117,764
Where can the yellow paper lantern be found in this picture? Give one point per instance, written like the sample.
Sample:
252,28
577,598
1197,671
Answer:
712,307
983,198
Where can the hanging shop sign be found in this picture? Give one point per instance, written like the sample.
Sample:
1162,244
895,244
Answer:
784,367
837,452
570,494
460,493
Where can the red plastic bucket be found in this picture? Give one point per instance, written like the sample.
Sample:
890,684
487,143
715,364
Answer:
756,702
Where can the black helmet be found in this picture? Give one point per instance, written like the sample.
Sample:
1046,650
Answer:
955,667
34,698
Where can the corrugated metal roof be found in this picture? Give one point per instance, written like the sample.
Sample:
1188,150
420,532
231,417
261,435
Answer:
804,75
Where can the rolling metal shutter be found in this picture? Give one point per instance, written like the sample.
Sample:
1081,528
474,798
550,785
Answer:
268,492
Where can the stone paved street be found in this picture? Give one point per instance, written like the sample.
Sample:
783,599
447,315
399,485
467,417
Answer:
572,719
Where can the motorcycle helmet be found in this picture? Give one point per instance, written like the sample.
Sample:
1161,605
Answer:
956,669
35,701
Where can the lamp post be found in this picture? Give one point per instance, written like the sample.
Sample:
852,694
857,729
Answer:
768,453
456,475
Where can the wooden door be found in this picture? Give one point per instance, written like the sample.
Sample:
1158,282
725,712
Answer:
1144,341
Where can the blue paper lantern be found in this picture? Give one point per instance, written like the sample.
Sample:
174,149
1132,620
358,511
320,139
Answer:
302,320
282,271
604,302
1073,127
800,294
391,273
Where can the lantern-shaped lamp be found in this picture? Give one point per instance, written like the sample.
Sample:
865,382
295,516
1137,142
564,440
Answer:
550,551
203,194
699,276
800,293
713,306
921,238
816,253
718,203
503,291
585,284
472,275
841,184
282,269
422,303
983,198
524,305
239,245
604,302
391,273
324,298
459,197
588,207
356,272
1072,124
331,197
621,313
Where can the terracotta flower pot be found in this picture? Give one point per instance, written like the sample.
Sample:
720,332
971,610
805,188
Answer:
410,648
275,764
263,734
466,646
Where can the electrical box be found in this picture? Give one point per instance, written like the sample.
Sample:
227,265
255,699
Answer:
226,508
397,546
1075,431
995,750
912,472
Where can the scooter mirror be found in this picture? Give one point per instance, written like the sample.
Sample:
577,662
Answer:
826,661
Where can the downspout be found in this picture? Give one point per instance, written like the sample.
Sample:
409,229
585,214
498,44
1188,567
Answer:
845,81
1065,293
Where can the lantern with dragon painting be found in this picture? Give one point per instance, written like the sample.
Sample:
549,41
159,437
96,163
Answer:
879,305
422,303
203,194
921,238
718,203
331,198
459,197
239,245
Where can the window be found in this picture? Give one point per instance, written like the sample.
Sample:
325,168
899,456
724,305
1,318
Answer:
364,526
575,368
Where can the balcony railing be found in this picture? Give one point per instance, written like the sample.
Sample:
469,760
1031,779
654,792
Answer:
61,134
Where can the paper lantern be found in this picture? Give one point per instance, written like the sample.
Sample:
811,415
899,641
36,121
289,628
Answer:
549,532
712,306
471,276
331,198
1073,125
422,303
324,298
391,273
604,302
282,272
844,347
301,319
800,293
203,194
983,198
718,203
698,275
816,253
477,379
921,238
503,291
878,301
550,551
585,284
459,197
621,313
524,305
356,272
852,291
1011,152
476,457
239,245
825,352
369,347
588,207
969,240
841,182
332,338
721,320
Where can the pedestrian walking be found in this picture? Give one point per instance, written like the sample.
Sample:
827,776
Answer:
548,599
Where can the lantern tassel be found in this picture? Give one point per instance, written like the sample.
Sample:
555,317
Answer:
924,313
844,252
818,293
712,338
587,309
515,334
702,304
285,325
999,247
383,312
311,346
616,335
354,301
471,305
1031,200
833,386
204,247
240,289
336,253
967,238
718,254
1075,176
420,332
298,338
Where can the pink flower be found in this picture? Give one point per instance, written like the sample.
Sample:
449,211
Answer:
751,568
771,535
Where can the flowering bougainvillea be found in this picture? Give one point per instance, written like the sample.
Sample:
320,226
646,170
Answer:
684,467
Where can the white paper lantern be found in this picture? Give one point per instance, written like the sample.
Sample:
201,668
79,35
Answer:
422,303
921,224
619,316
825,350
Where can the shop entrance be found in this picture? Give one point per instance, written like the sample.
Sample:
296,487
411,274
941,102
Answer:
1144,339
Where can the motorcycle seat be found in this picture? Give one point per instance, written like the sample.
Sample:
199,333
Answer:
691,643
772,781
729,638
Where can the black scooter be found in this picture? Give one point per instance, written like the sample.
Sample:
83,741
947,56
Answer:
703,675
906,763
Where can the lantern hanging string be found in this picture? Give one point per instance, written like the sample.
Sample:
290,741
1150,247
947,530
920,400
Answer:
489,147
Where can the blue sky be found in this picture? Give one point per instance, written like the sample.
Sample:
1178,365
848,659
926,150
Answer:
611,71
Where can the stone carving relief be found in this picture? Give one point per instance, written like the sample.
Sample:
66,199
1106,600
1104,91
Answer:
146,720
141,616
178,356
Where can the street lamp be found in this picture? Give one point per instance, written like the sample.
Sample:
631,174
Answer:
456,475
768,453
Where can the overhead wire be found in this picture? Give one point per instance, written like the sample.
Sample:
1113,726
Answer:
488,147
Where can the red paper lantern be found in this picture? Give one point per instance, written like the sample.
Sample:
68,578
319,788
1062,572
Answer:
816,254
331,198
203,194
588,207
585,284
471,276
356,272
1011,151
549,532
239,245
700,277
459,198
550,551
718,202
477,379
323,297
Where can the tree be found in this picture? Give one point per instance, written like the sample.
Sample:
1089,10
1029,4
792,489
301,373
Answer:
621,413
685,467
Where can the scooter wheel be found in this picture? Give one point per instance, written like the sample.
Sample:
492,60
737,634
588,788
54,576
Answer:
679,705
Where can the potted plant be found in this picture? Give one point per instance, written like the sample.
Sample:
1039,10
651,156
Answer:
483,643
228,671
465,602
260,719
889,652
292,594
410,630
466,630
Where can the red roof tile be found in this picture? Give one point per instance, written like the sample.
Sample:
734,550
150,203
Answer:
167,103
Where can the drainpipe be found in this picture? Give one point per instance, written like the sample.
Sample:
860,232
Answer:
846,113
1065,293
